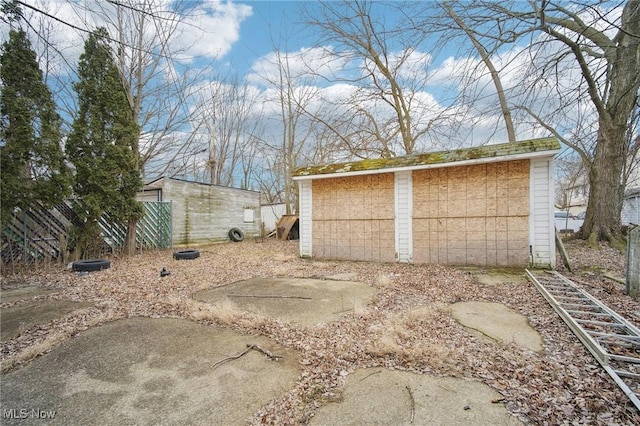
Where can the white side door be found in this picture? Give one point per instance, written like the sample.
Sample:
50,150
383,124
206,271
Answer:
403,216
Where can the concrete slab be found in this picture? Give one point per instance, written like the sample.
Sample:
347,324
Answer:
14,319
495,276
305,302
497,322
23,293
377,396
345,276
150,371
500,277
170,371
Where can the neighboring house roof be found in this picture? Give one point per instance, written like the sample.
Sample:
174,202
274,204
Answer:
482,154
157,182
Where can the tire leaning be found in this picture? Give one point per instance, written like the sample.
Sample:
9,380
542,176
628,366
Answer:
90,265
236,235
186,254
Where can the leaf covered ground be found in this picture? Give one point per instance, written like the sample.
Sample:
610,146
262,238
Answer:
407,327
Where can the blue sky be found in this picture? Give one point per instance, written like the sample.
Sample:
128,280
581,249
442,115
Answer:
268,18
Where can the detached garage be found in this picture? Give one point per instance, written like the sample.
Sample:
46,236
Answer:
202,213
484,206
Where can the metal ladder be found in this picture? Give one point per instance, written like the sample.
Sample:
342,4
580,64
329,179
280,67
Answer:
610,338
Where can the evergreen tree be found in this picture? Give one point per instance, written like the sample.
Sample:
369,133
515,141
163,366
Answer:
102,144
31,159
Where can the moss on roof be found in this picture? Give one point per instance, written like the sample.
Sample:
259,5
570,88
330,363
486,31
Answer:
432,158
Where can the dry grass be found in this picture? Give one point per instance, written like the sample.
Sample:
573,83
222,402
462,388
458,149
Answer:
28,347
398,337
33,351
223,312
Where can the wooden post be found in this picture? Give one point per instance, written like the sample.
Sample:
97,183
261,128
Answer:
563,252
633,263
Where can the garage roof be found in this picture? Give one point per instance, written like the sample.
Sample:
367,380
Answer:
483,154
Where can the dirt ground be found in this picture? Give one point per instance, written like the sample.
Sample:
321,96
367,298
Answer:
408,326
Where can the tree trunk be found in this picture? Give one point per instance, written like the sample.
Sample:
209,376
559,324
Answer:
602,221
88,240
495,75
130,239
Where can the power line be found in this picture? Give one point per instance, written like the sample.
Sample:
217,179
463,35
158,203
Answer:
85,30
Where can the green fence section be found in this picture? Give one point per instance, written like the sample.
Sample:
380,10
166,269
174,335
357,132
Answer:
154,230
41,234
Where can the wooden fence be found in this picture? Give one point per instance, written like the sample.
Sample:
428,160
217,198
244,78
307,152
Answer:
40,234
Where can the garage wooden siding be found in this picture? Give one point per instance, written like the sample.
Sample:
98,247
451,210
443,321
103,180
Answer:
472,215
353,217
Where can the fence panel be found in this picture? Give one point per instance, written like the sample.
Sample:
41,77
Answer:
154,229
39,234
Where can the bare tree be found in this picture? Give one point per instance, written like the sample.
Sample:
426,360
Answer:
226,108
290,93
268,173
485,55
570,180
581,55
158,95
631,173
142,34
250,158
392,72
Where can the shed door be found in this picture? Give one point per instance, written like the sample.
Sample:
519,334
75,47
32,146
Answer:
403,216
305,223
541,220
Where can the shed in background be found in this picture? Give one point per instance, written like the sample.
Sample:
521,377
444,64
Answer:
485,206
203,213
631,207
271,214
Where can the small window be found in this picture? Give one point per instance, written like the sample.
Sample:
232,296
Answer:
248,215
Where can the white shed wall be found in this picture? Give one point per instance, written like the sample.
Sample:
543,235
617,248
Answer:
541,219
631,210
204,213
271,214
305,222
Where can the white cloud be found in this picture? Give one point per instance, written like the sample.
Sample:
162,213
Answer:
208,31
313,64
211,29
413,65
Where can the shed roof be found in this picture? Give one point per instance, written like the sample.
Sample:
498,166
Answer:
482,154
159,182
